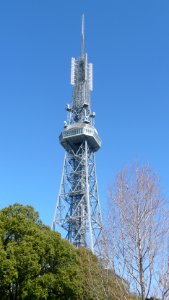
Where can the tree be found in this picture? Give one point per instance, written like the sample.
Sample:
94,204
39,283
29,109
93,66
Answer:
35,263
136,227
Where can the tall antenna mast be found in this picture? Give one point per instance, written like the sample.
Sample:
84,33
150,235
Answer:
82,42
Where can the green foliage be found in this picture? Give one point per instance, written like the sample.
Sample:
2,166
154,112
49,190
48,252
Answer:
36,263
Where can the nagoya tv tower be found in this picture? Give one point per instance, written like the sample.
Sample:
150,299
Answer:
78,209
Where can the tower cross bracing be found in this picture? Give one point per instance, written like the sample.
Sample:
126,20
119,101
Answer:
77,209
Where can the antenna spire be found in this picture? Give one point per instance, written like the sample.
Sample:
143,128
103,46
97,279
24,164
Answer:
82,43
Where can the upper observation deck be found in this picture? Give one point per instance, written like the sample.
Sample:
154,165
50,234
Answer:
75,134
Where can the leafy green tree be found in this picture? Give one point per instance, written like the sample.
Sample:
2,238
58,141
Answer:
35,263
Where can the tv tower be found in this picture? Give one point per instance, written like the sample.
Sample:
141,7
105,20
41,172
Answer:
78,208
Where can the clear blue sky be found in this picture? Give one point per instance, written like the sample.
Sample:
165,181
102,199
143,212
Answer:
128,43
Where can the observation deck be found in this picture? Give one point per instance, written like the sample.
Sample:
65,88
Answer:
75,134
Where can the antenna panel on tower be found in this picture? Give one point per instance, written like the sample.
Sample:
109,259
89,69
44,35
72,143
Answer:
91,77
73,66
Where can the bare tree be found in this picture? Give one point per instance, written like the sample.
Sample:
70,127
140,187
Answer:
136,228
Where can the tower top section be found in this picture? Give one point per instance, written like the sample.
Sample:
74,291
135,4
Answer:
80,125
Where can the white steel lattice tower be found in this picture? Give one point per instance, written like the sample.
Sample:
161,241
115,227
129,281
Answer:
78,209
